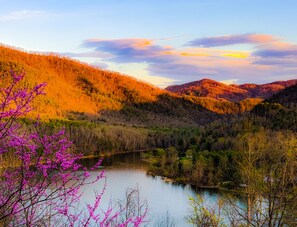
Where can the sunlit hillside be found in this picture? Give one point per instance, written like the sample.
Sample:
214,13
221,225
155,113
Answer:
78,91
228,99
73,86
234,93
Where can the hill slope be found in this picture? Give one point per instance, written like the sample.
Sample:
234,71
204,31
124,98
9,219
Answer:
286,97
79,91
280,110
73,86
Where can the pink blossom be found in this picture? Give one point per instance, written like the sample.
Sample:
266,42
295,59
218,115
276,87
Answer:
46,180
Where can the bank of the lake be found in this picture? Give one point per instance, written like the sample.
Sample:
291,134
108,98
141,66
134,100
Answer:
125,171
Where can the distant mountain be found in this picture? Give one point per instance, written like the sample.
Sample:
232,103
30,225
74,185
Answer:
78,91
234,93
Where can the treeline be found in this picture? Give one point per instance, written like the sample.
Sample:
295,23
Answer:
266,166
202,155
225,106
200,168
210,156
104,139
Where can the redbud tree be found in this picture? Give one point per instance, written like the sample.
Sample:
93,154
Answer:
41,179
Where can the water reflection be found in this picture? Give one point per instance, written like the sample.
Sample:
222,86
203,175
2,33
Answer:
128,171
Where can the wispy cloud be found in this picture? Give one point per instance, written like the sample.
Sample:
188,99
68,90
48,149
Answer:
269,58
275,52
227,40
91,54
101,65
118,43
19,15
228,82
129,50
278,62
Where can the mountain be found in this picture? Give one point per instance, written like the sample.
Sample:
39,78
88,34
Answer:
233,93
79,91
74,86
209,88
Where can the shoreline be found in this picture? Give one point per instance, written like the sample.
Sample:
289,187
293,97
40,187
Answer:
166,179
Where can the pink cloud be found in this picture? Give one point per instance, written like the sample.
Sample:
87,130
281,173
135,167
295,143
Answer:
227,40
193,63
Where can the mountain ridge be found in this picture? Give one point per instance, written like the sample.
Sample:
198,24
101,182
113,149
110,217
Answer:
234,93
77,90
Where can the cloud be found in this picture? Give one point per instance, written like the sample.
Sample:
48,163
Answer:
140,71
230,81
145,50
129,50
19,15
118,43
236,55
227,40
91,54
280,62
291,51
177,70
269,58
159,81
100,65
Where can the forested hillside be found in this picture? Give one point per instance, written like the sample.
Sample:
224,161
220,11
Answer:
74,86
210,155
286,97
228,99
279,111
77,91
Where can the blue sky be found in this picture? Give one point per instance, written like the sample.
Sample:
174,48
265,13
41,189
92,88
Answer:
162,42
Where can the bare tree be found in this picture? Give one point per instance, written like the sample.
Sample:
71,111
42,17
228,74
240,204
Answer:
268,167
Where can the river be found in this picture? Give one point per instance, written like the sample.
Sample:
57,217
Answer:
164,199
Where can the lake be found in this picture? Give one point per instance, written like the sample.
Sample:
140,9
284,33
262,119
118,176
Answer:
128,171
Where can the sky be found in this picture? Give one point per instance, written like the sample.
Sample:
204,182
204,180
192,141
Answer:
163,42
